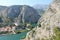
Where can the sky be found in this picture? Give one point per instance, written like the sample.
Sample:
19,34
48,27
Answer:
24,2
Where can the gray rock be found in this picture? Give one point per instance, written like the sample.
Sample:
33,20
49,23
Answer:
47,22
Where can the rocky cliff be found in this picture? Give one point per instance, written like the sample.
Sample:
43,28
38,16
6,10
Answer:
46,24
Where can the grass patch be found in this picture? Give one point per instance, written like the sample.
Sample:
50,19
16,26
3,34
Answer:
20,31
57,33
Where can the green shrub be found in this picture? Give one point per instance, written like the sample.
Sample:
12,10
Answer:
39,25
20,31
57,33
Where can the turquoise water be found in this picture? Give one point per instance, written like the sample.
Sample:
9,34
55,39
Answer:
13,37
16,36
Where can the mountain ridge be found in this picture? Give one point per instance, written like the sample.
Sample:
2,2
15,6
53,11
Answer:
14,11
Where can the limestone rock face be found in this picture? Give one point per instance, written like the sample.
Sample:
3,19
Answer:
47,22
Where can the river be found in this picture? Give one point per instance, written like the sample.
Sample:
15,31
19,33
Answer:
14,36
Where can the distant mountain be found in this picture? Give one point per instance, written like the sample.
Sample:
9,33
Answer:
40,8
40,11
19,13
